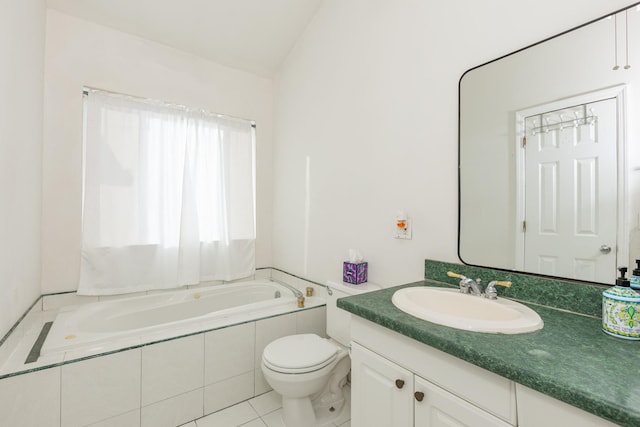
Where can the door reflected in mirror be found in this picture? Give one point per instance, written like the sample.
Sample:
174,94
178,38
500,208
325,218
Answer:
549,167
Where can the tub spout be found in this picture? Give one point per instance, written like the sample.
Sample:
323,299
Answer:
296,292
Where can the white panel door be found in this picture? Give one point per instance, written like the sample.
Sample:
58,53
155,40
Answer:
571,193
381,391
435,407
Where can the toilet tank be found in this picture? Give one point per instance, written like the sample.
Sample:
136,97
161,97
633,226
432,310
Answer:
339,320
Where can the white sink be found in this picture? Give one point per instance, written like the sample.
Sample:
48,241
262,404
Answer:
449,307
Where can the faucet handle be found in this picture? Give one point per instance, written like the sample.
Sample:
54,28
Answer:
491,292
504,283
455,275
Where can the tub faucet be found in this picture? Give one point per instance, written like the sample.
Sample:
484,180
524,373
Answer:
296,292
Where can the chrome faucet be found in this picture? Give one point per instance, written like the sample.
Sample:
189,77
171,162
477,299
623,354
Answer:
296,292
467,285
473,287
491,293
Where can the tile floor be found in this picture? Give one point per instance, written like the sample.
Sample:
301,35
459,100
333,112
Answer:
261,411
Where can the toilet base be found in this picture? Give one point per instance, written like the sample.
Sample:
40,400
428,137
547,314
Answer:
341,413
297,411
326,410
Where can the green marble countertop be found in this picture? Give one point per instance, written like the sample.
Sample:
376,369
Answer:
570,359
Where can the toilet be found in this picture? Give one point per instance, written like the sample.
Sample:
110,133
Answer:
309,371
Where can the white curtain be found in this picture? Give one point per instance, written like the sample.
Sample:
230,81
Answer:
168,196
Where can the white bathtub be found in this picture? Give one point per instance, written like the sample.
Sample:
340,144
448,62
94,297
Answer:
109,325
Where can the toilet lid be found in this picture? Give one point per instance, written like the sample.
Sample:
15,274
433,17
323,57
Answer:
299,353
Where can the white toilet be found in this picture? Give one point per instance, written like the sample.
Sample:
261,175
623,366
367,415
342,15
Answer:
309,371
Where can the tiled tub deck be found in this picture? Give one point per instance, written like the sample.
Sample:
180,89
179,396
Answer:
168,382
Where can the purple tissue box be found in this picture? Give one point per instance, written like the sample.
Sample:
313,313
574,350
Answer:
354,273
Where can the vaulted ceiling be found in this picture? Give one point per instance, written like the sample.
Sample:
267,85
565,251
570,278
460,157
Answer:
251,35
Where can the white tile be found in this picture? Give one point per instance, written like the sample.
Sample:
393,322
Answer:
128,419
32,324
15,363
10,352
171,368
6,349
101,348
229,352
279,275
174,411
31,399
264,273
254,423
191,424
230,417
206,284
346,424
261,385
37,306
312,321
268,330
266,402
242,279
274,419
54,302
228,392
100,388
121,296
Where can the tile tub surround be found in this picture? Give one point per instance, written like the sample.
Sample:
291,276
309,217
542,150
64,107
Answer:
163,384
169,381
570,359
16,344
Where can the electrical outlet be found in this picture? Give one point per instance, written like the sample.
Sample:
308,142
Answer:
403,228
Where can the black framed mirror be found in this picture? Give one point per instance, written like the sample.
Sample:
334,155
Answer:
549,154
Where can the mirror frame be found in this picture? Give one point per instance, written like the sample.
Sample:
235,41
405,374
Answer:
459,143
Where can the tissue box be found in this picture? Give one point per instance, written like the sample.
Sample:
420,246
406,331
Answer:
354,273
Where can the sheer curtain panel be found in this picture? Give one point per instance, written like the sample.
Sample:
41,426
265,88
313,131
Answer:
168,196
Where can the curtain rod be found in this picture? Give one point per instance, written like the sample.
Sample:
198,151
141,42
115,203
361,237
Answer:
87,90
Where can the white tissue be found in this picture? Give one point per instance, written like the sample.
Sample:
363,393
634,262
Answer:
354,256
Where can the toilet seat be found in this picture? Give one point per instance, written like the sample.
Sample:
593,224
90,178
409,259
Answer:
296,354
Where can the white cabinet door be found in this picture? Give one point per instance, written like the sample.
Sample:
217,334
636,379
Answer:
435,407
381,391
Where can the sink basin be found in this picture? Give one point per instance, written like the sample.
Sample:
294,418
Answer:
449,307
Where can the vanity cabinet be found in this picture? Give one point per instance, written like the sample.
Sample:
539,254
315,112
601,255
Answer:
391,373
385,394
389,369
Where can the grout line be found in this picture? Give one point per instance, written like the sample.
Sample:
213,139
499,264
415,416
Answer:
60,395
140,394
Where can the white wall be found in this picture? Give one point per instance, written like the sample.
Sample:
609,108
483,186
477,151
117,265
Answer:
79,53
369,97
21,80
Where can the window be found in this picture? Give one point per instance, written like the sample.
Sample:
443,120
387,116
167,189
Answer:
168,195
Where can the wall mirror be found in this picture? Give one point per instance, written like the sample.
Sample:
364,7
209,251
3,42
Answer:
549,154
